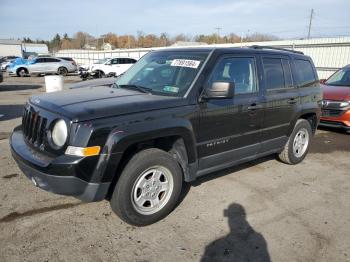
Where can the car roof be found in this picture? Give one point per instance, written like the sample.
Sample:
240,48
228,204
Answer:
244,50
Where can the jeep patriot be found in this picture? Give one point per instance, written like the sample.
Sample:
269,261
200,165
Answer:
176,115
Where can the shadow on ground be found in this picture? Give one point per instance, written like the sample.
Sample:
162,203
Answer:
328,142
8,112
242,243
16,87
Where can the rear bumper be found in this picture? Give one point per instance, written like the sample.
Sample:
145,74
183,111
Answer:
59,184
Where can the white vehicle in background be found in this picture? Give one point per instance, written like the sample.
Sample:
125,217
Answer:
112,66
44,65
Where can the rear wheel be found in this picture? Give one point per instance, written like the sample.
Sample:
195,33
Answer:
298,143
21,72
62,71
148,188
99,74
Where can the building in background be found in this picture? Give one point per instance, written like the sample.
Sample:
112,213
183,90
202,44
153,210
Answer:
10,47
107,47
34,49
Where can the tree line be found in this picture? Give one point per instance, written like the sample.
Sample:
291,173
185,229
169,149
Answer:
83,40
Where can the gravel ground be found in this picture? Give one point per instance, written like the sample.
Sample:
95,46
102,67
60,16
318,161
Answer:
262,211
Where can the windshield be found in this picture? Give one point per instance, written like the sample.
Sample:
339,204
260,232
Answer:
101,61
340,78
168,73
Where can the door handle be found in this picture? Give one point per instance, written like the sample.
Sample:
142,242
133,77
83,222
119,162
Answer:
254,106
292,101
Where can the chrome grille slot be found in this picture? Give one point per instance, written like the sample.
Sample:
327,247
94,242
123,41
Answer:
33,127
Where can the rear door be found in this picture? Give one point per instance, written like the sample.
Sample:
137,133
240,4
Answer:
52,64
230,129
37,66
281,101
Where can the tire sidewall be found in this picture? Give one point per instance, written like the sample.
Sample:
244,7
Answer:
21,72
299,125
65,71
121,201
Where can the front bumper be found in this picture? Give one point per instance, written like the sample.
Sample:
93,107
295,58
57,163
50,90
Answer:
334,124
33,165
342,121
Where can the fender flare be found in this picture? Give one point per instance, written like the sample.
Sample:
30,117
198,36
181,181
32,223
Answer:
121,138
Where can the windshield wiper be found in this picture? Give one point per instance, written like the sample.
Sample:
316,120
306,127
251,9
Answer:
136,87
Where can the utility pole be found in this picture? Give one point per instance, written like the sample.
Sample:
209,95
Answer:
310,23
218,34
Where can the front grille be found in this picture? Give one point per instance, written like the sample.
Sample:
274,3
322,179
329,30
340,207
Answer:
33,126
332,112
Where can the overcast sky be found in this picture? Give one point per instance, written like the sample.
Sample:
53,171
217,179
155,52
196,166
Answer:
41,19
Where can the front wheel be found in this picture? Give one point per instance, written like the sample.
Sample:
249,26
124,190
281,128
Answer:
148,188
298,143
22,72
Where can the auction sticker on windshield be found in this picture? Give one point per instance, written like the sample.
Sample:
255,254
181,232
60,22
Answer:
185,63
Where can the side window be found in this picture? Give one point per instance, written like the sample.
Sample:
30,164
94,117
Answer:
130,61
305,72
240,70
114,61
40,60
287,73
51,60
274,76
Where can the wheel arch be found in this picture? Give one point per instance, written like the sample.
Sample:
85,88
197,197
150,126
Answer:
179,143
310,115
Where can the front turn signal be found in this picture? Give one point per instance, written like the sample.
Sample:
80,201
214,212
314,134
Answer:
83,151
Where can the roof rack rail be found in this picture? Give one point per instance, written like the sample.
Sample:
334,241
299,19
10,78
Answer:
275,48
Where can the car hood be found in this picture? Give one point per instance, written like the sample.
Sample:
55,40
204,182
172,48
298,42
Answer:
84,104
338,93
108,81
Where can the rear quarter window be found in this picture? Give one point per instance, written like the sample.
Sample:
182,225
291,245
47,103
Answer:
305,74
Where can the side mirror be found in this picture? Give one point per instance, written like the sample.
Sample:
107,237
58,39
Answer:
220,90
323,81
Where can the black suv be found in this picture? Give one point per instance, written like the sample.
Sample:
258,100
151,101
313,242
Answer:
174,116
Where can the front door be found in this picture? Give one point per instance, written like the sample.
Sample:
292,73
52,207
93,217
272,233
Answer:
230,128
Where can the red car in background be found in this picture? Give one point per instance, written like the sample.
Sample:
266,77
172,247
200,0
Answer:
336,100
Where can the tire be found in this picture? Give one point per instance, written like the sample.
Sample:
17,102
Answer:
22,72
298,143
131,186
62,71
99,74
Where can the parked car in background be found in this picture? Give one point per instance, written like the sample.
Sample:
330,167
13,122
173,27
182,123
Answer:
68,59
6,58
115,66
336,100
6,62
44,65
1,76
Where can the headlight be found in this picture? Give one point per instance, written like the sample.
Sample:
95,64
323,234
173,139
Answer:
344,104
59,133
